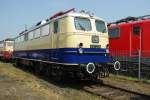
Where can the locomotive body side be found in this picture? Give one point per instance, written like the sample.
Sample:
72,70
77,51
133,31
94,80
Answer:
70,40
65,44
120,44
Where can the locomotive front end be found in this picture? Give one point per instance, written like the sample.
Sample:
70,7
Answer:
86,44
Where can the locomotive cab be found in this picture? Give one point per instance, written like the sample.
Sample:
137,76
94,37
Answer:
83,29
81,40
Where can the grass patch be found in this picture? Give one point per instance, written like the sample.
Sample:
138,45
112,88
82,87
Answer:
129,78
42,88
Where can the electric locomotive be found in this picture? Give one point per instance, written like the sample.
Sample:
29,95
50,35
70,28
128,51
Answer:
69,43
129,38
6,49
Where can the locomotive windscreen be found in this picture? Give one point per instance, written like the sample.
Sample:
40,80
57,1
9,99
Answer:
100,26
82,24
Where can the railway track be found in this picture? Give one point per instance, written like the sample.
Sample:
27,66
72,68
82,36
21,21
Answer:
106,91
110,92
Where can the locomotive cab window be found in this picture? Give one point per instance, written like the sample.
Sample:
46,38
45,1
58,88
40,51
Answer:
136,30
56,26
83,24
100,26
9,44
114,32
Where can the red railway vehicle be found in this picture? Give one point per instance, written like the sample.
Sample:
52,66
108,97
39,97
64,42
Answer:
6,49
130,37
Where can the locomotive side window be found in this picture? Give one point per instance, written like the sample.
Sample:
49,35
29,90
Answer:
136,30
26,37
100,26
82,24
45,30
37,33
114,32
21,38
56,27
31,35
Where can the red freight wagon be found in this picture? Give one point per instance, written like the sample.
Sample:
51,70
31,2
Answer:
130,37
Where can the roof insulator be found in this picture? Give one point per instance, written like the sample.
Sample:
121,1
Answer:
61,13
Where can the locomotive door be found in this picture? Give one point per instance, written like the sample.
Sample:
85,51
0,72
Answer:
55,34
55,40
135,40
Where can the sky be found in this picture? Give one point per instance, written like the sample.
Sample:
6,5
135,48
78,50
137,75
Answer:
15,14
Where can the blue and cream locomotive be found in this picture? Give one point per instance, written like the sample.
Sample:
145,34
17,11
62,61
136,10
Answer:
67,44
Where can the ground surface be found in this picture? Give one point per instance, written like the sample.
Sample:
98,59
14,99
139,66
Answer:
18,84
128,84
15,84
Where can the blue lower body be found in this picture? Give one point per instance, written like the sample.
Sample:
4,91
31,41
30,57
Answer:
66,55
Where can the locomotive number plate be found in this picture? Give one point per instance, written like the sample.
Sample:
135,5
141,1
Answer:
95,39
95,46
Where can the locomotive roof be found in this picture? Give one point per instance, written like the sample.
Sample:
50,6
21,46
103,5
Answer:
73,14
129,22
8,39
78,14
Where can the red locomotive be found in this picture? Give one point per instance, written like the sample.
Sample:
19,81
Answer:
129,38
6,49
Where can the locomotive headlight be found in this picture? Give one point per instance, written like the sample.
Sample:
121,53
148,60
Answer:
107,48
107,51
80,50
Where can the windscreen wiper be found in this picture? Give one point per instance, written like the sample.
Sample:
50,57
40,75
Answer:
82,28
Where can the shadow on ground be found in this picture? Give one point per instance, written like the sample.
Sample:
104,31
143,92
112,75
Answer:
66,83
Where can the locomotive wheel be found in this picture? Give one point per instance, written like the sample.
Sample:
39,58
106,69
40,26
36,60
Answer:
95,77
48,72
58,76
106,71
40,68
103,71
36,67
